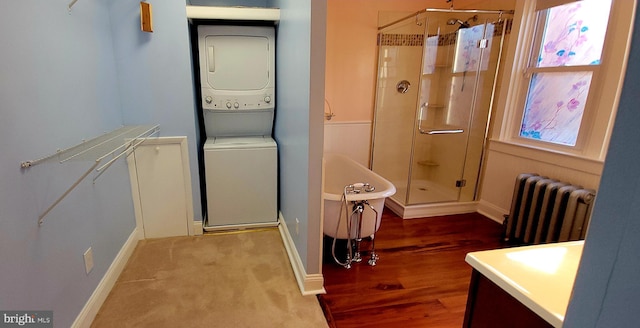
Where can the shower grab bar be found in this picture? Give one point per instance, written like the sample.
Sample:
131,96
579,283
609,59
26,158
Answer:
423,107
421,112
432,132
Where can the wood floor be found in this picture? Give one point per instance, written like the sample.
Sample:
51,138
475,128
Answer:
420,280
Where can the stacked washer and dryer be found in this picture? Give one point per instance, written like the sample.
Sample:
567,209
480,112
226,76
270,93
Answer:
237,78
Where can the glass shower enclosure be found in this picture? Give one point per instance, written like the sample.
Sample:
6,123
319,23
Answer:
437,73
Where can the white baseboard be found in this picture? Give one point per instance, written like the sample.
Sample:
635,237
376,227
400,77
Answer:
428,210
309,284
491,211
99,295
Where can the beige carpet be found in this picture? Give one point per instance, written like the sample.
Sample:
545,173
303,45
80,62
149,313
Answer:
238,279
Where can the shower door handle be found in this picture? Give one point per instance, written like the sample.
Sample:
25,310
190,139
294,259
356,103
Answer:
432,132
423,107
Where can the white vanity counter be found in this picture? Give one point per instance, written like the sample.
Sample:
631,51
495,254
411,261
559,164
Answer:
541,277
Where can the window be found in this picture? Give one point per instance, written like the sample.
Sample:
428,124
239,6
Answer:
568,51
573,57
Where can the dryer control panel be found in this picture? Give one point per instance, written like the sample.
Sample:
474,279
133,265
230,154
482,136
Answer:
239,102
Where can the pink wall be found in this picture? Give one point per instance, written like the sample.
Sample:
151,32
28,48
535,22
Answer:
351,60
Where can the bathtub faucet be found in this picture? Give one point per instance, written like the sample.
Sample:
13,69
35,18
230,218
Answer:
355,217
357,188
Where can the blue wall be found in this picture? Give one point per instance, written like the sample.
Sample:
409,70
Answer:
299,123
292,116
58,85
154,74
607,288
64,77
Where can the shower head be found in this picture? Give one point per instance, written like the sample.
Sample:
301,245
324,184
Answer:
454,21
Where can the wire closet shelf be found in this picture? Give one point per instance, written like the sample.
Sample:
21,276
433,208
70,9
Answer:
105,149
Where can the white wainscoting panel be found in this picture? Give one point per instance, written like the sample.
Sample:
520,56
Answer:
352,139
505,162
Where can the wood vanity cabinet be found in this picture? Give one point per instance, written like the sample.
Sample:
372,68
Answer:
490,306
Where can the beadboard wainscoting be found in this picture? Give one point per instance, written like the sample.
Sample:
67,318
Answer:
505,161
351,138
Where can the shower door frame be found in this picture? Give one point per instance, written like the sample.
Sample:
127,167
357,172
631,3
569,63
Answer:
415,16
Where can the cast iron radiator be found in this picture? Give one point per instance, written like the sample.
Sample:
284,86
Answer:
545,210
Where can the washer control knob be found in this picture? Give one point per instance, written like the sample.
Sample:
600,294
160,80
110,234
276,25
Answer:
267,99
208,99
236,105
229,105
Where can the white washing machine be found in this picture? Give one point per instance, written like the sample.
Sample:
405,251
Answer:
241,181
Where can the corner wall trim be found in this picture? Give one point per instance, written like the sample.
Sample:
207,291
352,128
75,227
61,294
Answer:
99,295
309,284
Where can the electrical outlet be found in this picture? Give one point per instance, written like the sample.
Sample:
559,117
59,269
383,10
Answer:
297,226
88,260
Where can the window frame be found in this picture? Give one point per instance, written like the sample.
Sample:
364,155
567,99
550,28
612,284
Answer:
602,101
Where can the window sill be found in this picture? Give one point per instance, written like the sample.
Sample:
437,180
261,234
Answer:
557,158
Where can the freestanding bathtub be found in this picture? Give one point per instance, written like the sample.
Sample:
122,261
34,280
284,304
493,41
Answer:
341,171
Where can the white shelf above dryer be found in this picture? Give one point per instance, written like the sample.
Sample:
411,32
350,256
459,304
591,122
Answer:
111,146
233,13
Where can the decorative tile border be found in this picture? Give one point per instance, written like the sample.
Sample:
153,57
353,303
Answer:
400,40
417,40
447,39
